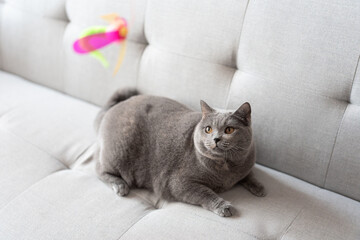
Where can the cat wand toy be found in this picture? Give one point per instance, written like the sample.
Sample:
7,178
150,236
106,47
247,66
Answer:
97,37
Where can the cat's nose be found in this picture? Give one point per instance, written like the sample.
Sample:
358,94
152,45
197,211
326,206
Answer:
217,140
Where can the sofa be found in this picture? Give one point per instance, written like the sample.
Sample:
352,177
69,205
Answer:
295,61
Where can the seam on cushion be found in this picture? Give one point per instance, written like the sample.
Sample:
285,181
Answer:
147,44
230,227
24,80
291,223
37,147
236,56
83,152
151,204
63,55
2,3
76,162
66,12
132,225
309,91
249,234
240,34
190,57
229,88
7,111
193,58
332,151
26,11
145,21
234,69
29,187
133,40
139,66
200,59
353,80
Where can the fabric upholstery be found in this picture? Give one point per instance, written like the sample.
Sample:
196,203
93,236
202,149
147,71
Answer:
296,65
310,46
53,192
17,172
296,62
1,13
65,136
345,157
22,29
211,34
77,207
355,93
160,75
278,108
292,210
54,9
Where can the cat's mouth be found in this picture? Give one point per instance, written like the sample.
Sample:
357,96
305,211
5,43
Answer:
219,148
216,147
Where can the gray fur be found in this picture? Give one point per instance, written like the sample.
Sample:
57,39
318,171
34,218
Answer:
157,143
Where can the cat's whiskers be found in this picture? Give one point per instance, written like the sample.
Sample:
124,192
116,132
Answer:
239,148
225,146
233,152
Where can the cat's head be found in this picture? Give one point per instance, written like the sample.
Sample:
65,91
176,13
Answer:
220,135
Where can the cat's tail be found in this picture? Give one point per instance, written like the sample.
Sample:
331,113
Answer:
119,96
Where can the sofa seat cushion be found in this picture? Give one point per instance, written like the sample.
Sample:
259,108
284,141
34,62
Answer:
55,123
49,189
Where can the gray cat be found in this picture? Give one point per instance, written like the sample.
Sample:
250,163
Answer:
158,144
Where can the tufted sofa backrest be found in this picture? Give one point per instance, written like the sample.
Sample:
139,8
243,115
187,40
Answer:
295,61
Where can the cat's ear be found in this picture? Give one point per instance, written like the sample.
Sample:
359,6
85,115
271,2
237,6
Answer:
244,113
205,108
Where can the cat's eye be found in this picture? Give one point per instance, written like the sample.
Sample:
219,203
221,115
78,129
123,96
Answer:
208,129
229,130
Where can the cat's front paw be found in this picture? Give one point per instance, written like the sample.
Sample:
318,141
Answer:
224,209
121,189
257,190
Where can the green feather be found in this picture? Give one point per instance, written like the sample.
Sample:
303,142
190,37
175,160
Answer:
96,54
93,30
